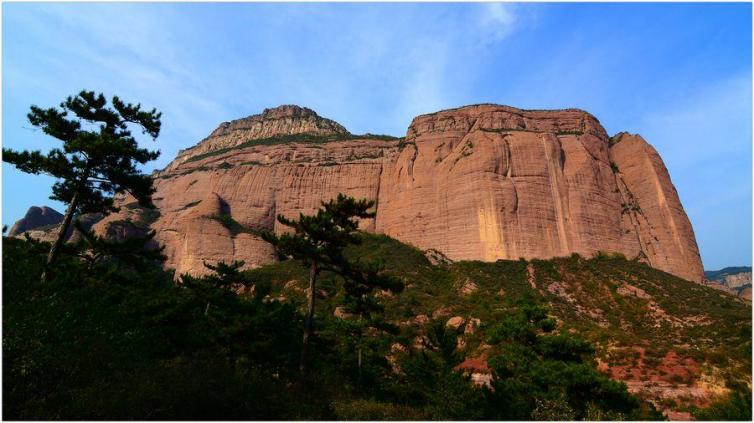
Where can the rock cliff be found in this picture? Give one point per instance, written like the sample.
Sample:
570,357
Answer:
733,280
482,182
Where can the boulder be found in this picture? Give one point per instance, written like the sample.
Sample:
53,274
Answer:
456,323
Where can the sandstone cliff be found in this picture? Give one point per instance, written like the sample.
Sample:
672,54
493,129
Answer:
481,182
733,280
282,120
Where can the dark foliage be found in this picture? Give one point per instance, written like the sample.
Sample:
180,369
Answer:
99,154
541,375
98,158
88,346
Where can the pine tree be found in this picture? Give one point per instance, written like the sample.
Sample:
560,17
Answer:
225,276
319,241
360,280
98,157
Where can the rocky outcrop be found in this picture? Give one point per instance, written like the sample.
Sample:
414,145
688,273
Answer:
280,121
733,280
49,232
650,203
482,182
732,277
35,218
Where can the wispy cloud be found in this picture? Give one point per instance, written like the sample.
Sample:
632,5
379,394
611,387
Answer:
681,78
119,49
499,19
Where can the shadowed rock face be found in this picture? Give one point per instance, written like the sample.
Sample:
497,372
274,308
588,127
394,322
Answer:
36,217
49,232
482,182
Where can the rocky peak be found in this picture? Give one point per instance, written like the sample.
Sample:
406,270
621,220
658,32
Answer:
480,182
34,218
285,120
281,120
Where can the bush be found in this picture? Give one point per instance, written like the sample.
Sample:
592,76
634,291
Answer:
736,406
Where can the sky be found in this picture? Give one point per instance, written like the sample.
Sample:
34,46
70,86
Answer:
678,74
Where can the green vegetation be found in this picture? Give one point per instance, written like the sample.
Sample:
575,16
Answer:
318,241
736,406
252,163
128,343
551,376
160,352
296,138
225,165
191,204
98,159
402,143
382,137
118,338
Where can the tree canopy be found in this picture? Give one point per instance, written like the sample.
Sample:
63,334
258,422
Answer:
98,158
99,154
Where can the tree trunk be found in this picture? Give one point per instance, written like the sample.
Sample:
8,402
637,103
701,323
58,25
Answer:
62,230
308,322
359,377
358,380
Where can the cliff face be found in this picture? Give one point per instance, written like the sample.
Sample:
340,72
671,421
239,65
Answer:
733,280
491,182
481,182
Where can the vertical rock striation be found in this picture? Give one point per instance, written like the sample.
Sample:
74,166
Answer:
481,182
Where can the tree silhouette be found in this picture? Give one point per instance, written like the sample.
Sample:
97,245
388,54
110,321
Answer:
98,157
319,241
360,280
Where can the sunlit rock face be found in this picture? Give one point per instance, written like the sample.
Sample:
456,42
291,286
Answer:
482,182
492,182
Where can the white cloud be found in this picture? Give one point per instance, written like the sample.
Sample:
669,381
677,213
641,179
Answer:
498,19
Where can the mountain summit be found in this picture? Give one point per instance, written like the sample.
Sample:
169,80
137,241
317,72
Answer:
275,122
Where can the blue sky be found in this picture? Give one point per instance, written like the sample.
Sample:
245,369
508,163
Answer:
678,74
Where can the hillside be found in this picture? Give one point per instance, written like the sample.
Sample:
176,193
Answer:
532,246
191,351
673,342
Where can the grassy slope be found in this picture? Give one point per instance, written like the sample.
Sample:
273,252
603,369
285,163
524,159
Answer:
617,304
